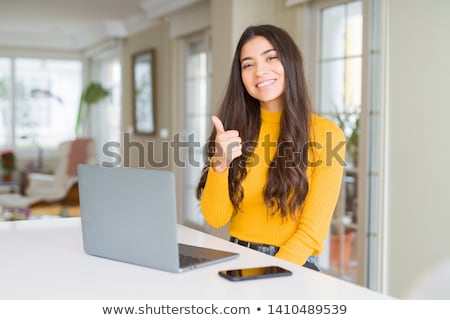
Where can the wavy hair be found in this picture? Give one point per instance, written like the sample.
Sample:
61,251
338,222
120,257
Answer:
287,183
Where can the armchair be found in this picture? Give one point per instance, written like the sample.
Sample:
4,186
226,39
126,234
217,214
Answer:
45,189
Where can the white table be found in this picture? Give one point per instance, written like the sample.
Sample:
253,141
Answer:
44,259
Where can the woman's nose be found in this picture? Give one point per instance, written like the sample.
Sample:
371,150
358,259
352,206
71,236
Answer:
261,69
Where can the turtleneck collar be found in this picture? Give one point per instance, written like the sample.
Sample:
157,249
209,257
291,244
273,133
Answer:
269,116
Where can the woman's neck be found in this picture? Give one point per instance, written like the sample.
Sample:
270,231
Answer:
272,106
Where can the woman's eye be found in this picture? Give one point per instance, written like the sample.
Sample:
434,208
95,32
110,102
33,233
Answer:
247,65
271,58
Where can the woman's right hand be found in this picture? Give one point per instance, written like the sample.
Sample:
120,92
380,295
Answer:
228,146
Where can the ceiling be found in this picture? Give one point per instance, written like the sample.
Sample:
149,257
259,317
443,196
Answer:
77,24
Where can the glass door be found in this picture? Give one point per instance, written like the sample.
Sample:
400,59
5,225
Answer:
340,63
349,91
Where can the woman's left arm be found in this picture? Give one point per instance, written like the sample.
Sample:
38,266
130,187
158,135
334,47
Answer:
324,187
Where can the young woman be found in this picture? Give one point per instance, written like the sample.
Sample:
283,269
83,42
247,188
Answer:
275,168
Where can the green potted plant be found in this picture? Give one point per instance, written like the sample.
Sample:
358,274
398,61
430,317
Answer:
93,93
349,123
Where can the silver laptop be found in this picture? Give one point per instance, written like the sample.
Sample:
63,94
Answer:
129,215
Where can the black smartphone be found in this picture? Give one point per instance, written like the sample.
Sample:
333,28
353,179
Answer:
254,273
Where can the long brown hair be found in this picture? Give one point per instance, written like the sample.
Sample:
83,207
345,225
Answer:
287,183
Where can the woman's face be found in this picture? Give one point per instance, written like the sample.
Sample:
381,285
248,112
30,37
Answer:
262,73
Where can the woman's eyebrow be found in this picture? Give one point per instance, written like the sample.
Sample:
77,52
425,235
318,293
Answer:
261,54
267,51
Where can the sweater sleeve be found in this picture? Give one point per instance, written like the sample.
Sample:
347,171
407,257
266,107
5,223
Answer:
215,202
320,202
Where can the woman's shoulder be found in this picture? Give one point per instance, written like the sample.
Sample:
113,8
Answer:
320,126
326,138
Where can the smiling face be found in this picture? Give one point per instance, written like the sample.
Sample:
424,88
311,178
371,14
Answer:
263,73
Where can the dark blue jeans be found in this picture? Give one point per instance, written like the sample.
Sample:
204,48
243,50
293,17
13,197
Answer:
310,263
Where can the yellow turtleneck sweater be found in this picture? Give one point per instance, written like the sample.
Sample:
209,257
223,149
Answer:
297,239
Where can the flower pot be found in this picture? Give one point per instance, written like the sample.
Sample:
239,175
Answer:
7,177
335,248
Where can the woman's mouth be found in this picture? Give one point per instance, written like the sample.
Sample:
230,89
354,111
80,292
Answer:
265,83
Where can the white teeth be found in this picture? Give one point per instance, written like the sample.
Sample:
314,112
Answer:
265,83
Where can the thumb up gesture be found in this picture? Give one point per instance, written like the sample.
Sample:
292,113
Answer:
228,146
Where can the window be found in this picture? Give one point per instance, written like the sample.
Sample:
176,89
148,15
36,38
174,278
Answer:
38,102
5,102
196,120
341,67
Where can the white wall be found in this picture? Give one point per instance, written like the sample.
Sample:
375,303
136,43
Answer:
418,152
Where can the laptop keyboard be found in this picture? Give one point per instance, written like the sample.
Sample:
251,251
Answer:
186,260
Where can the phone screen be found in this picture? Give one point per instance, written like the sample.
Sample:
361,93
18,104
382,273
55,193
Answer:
254,273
